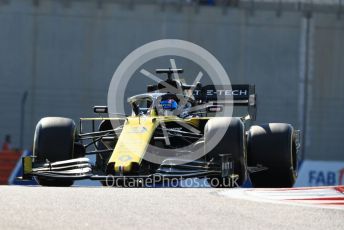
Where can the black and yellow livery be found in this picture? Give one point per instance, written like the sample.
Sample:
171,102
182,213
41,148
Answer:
169,124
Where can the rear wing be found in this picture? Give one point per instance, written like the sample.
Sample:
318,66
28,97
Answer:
237,95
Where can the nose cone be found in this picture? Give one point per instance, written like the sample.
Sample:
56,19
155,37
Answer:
132,144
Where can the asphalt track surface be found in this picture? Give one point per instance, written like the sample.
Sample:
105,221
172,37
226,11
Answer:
152,208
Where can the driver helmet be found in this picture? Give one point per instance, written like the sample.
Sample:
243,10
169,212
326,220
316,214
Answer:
168,106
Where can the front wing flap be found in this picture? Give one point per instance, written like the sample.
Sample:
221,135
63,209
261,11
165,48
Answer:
81,168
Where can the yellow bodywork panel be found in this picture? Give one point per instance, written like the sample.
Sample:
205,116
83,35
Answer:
27,165
135,138
133,142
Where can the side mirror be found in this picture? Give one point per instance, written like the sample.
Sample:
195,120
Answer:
214,108
100,109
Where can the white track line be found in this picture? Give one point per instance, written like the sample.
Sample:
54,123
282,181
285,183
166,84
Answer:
311,197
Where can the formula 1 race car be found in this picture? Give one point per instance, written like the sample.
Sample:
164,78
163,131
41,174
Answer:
169,124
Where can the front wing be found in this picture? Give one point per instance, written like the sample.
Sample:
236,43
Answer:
81,168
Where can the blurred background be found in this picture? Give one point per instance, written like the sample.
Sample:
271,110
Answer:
57,58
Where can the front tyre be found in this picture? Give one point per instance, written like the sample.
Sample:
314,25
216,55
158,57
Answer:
54,141
232,142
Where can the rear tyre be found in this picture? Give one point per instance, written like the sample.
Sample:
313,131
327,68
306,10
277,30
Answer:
273,146
232,142
54,141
